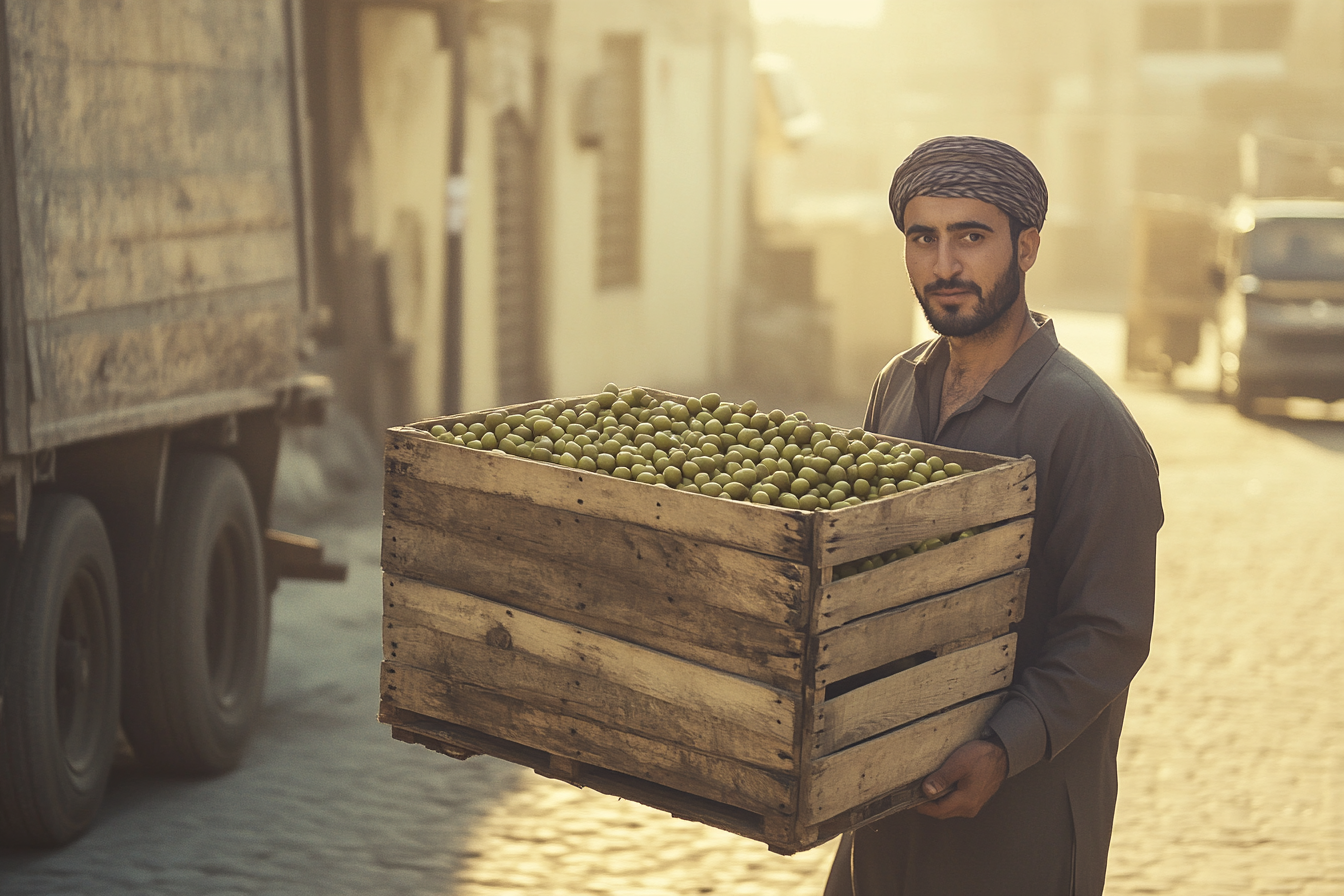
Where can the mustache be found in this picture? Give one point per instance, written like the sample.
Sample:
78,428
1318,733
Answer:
955,283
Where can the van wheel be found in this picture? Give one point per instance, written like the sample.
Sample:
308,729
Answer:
62,675
1243,399
196,652
1245,403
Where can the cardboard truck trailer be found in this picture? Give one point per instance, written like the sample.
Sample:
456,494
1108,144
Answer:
153,310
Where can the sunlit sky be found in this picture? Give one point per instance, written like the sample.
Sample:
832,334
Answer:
849,13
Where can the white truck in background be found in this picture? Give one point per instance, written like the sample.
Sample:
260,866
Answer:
1267,269
1280,317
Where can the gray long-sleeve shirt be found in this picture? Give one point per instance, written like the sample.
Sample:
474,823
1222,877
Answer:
1084,634
1089,608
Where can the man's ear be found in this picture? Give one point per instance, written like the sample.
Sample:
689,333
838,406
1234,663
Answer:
1028,242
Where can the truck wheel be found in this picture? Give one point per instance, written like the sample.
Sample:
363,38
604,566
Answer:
62,677
196,652
1244,401
1234,390
1136,349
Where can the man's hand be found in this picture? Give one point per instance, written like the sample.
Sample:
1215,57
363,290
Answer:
969,777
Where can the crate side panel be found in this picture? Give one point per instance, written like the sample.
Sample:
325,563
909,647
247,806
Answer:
902,698
767,530
566,693
581,740
898,800
1003,492
636,559
460,742
866,771
987,608
699,601
573,671
989,554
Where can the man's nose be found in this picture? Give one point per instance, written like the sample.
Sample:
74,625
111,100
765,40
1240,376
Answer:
946,265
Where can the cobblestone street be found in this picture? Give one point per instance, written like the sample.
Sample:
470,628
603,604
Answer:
1232,762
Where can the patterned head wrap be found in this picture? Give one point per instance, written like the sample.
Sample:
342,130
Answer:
970,168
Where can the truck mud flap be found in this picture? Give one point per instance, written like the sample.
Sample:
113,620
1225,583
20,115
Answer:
290,556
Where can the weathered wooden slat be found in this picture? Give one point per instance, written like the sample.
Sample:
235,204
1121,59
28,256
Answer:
180,32
700,602
989,554
679,766
1003,492
279,295
868,770
988,607
905,797
766,530
87,116
631,559
573,671
901,698
165,413
462,743
89,373
722,640
105,274
588,697
84,206
117,239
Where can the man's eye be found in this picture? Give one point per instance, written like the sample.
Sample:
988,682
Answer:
975,237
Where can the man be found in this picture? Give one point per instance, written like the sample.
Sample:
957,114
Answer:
1026,810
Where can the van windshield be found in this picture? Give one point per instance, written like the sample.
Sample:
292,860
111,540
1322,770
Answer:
1296,249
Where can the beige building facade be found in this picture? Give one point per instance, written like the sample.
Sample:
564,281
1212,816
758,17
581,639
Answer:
641,118
519,199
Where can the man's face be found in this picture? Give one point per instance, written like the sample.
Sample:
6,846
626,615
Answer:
964,265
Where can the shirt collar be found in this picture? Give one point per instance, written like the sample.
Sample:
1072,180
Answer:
1010,379
1007,384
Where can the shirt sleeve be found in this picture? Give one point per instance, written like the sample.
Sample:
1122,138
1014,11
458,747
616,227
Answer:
875,402
1099,560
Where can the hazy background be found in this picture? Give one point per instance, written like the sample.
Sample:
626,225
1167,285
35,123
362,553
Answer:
1109,99
690,194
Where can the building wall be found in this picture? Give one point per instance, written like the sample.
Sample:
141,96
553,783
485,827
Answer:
398,199
668,329
479,378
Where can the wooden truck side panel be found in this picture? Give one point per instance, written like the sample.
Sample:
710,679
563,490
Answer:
153,180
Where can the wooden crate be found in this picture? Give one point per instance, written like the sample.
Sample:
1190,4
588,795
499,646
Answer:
693,653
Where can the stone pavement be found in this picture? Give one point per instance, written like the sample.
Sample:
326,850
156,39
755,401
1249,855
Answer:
1232,760
1232,763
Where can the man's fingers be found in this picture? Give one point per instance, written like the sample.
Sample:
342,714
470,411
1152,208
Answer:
952,805
937,790
944,780
963,784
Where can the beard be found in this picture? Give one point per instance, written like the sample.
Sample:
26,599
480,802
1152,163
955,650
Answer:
984,314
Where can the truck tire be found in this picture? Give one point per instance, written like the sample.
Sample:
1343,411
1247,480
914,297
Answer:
1237,392
1244,401
62,676
196,652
